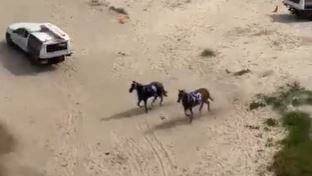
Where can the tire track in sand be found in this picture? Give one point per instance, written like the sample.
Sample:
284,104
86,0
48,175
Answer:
158,149
65,146
163,171
162,148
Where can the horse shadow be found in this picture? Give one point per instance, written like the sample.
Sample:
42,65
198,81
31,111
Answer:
175,122
182,121
172,123
135,112
16,61
125,114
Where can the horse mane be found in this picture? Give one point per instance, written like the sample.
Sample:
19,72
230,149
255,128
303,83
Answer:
139,84
139,87
184,92
185,95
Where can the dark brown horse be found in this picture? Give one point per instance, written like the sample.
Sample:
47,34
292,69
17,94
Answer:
199,96
154,89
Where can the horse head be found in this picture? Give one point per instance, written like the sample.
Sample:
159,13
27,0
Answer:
181,93
133,86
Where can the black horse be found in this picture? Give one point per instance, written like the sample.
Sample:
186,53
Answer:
197,97
154,89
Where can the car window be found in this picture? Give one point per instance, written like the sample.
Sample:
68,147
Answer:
22,32
26,34
19,32
57,47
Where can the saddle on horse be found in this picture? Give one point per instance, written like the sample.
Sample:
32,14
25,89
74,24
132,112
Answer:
152,90
196,98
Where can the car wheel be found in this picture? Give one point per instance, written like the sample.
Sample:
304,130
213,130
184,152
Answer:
33,60
61,59
8,39
57,60
300,14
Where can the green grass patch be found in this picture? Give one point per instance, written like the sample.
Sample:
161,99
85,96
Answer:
295,157
291,94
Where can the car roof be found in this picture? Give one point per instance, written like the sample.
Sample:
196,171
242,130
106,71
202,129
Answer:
45,32
31,27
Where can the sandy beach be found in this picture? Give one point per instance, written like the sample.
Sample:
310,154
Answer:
78,118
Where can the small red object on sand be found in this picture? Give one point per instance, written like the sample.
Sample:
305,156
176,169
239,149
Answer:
122,19
275,10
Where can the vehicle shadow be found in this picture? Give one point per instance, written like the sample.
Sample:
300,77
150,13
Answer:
135,112
287,18
7,145
17,63
10,164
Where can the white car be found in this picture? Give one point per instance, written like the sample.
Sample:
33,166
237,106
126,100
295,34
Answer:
300,8
45,43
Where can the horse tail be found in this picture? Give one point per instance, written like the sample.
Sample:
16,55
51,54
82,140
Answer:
162,88
209,95
164,91
210,98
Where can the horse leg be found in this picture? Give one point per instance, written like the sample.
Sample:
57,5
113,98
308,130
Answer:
185,109
153,100
191,116
145,105
186,114
139,103
161,100
208,105
201,106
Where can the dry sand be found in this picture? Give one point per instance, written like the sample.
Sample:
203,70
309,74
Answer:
78,118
